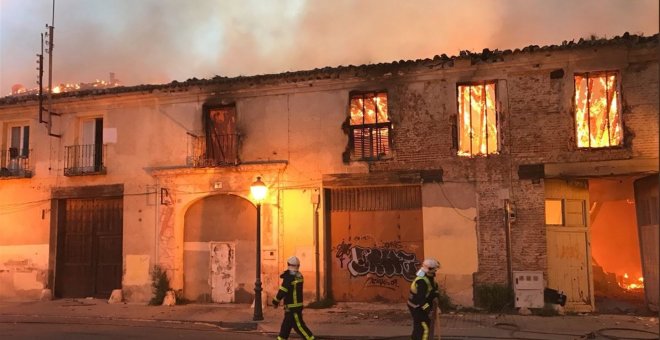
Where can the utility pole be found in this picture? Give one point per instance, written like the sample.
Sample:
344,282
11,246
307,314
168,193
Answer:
40,80
50,42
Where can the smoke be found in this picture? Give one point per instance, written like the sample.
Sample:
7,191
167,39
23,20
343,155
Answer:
157,41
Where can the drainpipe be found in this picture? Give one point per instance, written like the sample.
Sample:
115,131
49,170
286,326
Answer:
315,204
509,217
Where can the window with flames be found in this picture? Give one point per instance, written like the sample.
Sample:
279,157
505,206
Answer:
597,110
370,126
477,120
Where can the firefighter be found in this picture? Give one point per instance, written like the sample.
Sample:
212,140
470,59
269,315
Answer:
423,290
291,292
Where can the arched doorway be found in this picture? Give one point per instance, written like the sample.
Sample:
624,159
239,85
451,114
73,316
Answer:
219,250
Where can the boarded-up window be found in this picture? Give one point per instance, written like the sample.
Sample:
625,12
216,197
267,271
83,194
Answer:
597,110
477,119
370,125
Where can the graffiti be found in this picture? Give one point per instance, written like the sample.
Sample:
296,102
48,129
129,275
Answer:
379,261
363,238
343,252
382,282
392,245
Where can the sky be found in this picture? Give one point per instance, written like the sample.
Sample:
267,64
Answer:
158,41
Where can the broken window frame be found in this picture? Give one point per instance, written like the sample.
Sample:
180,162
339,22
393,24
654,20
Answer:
372,145
214,149
616,95
459,121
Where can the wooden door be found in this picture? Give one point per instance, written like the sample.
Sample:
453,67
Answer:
89,248
646,203
569,254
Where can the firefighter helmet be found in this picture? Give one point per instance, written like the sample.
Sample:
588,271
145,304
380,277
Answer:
431,265
293,261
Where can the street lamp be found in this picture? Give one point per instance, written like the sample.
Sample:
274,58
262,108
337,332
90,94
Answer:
258,190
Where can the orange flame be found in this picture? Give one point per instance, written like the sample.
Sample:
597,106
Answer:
624,282
598,123
477,130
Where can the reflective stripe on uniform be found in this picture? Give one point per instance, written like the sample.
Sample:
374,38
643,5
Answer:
413,285
425,335
295,291
293,305
284,289
425,306
300,327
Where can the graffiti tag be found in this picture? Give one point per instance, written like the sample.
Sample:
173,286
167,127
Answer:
382,282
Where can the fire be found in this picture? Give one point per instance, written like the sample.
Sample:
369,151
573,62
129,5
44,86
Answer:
477,131
626,283
369,109
598,123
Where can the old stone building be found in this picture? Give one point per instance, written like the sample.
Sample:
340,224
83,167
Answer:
499,164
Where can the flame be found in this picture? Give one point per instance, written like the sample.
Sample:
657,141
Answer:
624,282
598,123
369,108
477,131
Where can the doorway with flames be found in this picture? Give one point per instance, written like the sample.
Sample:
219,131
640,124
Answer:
602,236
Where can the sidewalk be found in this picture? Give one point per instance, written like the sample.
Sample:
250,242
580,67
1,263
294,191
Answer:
351,320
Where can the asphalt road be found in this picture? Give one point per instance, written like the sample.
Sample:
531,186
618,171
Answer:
19,327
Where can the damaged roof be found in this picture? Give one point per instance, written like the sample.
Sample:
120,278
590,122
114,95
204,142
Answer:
438,61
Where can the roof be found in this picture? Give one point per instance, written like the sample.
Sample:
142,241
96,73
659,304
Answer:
443,60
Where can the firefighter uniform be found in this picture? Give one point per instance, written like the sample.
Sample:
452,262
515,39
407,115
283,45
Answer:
291,292
423,290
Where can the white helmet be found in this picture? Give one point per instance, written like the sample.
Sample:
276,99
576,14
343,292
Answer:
430,266
293,263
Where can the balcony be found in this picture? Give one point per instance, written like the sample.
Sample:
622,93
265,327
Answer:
80,160
215,151
15,163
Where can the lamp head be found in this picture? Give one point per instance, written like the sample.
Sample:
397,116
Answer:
258,190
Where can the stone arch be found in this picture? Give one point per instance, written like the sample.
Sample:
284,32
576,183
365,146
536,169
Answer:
219,218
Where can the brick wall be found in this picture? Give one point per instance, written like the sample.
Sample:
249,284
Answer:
536,126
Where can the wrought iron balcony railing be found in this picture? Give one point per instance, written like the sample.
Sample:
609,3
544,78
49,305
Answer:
213,151
15,163
84,160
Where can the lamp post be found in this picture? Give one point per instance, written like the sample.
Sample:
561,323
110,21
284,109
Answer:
258,190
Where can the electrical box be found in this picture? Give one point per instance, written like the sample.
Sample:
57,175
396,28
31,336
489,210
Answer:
528,289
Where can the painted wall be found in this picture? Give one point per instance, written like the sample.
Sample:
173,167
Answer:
450,236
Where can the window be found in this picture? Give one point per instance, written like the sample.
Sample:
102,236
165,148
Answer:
15,153
370,126
565,212
18,140
221,137
88,156
554,212
597,111
477,120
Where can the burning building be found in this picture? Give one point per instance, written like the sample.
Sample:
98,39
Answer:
542,160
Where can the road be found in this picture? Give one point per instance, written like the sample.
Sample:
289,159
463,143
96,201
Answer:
58,328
